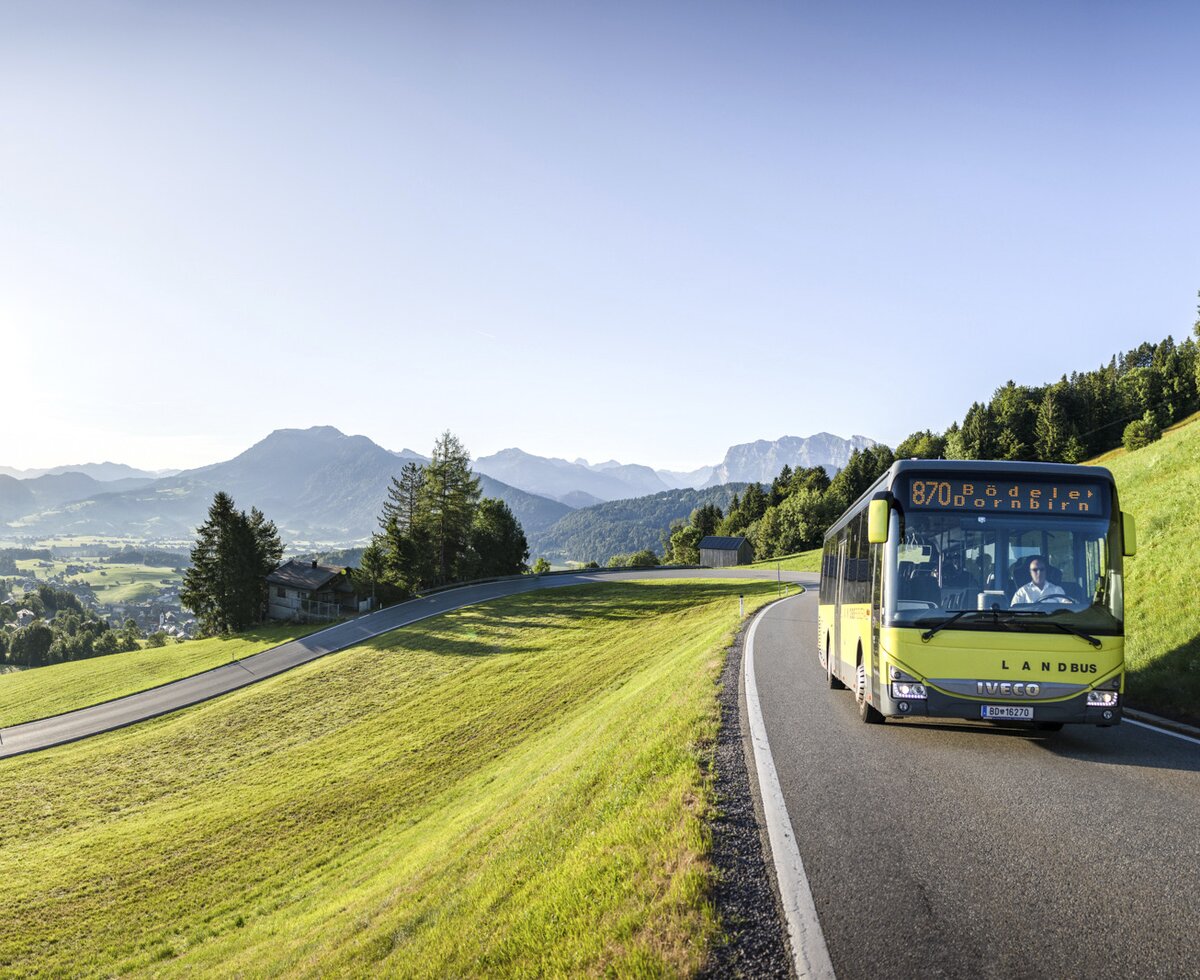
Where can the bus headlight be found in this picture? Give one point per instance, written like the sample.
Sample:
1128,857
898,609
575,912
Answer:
904,686
1101,699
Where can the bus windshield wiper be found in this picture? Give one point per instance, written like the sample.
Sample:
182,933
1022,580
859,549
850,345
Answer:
1077,632
928,634
995,613
1040,613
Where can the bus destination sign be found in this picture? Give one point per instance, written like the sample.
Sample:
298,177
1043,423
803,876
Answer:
1005,496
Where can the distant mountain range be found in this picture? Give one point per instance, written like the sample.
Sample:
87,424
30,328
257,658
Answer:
317,484
574,483
324,487
559,479
102,472
20,497
760,462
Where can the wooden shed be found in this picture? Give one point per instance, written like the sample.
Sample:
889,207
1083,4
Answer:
718,552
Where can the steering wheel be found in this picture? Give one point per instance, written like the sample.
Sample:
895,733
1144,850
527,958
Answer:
1061,600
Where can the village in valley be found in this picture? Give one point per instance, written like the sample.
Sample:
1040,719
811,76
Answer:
114,580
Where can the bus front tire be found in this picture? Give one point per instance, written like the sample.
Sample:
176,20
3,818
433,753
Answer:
866,711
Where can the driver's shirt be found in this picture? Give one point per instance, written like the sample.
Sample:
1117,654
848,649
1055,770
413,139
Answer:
1031,593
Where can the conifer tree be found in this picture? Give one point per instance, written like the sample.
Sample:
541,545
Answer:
446,505
1050,429
498,545
403,500
225,587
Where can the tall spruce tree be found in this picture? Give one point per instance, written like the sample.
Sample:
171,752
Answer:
447,500
226,584
405,538
1050,428
403,499
498,545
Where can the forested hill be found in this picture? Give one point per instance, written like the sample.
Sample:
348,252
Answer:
623,526
1130,400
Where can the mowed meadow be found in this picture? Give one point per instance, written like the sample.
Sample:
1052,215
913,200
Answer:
57,688
516,788
113,583
1159,485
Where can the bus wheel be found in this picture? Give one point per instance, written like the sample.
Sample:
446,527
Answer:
866,711
834,683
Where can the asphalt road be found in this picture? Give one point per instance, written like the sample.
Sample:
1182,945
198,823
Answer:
970,849
35,735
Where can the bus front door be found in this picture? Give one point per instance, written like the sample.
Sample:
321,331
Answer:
839,585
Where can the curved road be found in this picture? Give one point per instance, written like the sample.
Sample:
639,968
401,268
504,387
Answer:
47,732
964,849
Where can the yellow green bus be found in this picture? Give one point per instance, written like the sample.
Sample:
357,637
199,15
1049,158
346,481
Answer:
984,590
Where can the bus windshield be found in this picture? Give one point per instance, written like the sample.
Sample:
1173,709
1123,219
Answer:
1028,570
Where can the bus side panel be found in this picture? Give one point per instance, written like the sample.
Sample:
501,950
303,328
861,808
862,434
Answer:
856,635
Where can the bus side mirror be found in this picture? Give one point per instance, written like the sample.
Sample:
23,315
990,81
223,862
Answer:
1128,534
877,522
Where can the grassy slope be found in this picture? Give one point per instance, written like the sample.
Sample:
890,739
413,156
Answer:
113,584
517,788
802,561
52,690
1158,485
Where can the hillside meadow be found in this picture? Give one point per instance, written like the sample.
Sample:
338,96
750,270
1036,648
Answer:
114,583
52,690
1158,485
801,561
518,788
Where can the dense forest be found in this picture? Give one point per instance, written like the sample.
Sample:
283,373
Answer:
1128,401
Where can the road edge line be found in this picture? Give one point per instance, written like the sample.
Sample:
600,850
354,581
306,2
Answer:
1161,731
810,954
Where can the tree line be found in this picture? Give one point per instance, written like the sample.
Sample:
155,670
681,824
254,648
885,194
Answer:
790,515
436,528
1128,401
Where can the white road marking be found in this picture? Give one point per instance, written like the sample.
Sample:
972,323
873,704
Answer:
1161,731
809,952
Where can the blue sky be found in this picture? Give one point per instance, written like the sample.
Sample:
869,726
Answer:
632,230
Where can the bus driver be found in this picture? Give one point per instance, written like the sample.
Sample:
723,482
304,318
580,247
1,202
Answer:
1039,587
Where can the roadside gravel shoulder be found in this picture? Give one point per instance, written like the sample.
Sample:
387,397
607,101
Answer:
753,942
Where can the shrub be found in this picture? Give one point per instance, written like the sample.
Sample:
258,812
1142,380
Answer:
1142,432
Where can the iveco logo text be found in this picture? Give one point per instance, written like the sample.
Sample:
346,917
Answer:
1007,689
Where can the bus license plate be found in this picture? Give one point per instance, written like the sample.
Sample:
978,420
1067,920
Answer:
1017,711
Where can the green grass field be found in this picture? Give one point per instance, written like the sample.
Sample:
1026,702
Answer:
802,561
114,584
519,788
1158,485
44,691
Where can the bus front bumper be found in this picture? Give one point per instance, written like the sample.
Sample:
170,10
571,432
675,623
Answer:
1072,711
